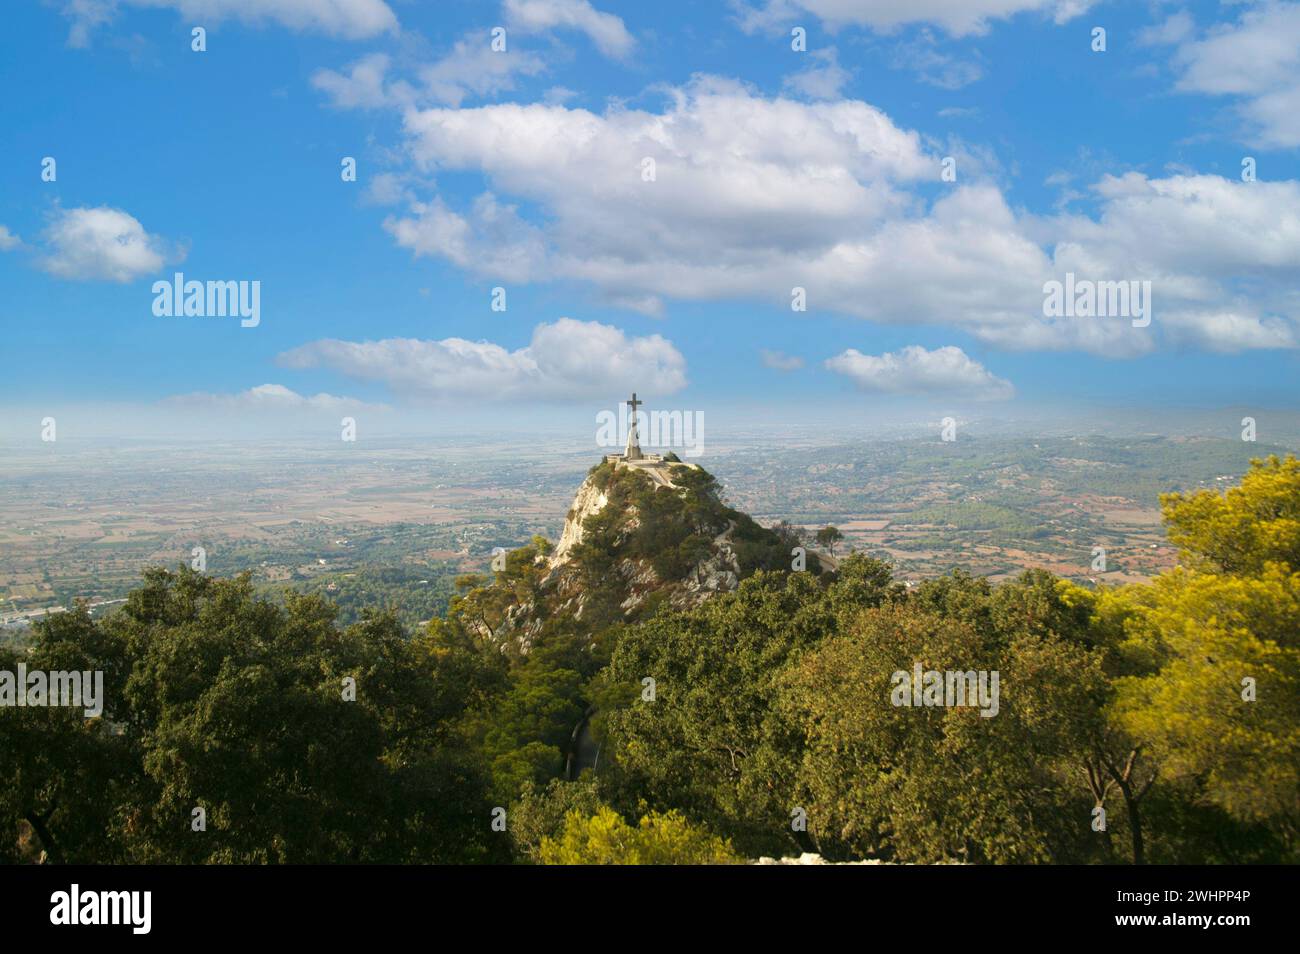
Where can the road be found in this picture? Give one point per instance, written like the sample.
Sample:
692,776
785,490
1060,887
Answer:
36,613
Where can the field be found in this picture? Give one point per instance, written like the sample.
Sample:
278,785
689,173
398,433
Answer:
393,524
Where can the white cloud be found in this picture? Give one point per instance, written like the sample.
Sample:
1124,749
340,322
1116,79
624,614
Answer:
362,87
1172,30
387,188
1211,225
957,17
1229,331
86,17
557,95
604,29
944,371
8,240
349,19
1222,255
933,66
737,177
1257,59
751,197
755,196
471,68
102,243
779,361
824,80
566,359
493,240
269,398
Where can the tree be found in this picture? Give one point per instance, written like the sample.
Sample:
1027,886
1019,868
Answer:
541,812
928,784
1246,528
1221,709
659,839
219,701
829,536
708,744
525,731
62,771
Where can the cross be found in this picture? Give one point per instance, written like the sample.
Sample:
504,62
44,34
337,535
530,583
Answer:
633,451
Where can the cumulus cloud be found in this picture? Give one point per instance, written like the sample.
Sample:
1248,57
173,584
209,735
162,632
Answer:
754,196
605,30
822,80
268,398
946,371
102,243
740,183
473,68
956,17
1172,30
779,361
566,359
470,69
1256,59
8,240
361,87
1229,331
1221,254
349,19
492,239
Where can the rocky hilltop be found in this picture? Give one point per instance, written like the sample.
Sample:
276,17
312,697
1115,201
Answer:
639,534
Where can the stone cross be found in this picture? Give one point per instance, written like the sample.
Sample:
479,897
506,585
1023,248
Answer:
633,451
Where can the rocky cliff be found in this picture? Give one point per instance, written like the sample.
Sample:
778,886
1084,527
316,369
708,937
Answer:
636,537
588,501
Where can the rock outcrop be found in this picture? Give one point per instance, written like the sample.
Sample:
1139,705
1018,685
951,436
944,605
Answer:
587,501
639,535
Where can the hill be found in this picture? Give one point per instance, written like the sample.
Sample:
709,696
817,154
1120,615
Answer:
635,538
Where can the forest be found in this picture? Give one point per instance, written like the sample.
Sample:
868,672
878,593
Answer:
1150,723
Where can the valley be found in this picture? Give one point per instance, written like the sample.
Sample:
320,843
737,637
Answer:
393,523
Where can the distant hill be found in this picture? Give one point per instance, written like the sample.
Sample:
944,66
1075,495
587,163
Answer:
635,538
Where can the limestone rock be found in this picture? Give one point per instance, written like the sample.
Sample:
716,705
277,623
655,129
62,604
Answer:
629,573
587,501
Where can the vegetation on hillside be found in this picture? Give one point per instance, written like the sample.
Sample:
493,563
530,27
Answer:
759,721
672,529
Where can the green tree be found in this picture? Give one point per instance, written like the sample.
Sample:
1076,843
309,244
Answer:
659,839
63,773
1241,531
220,701
935,783
709,744
1222,711
541,812
829,536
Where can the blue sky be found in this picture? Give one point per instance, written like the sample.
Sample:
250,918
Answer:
522,169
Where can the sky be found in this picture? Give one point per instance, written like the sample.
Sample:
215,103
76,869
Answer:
853,206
